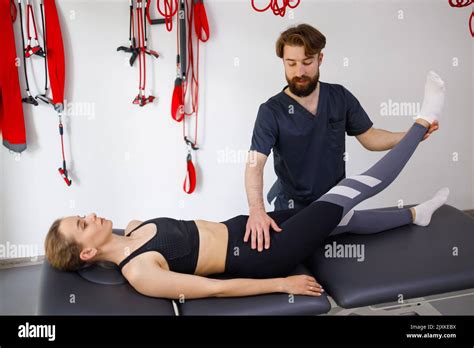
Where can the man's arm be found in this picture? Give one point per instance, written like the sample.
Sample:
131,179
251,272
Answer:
254,180
375,139
258,224
381,140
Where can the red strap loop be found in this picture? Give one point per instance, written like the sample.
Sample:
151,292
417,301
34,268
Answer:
191,176
177,103
171,8
200,21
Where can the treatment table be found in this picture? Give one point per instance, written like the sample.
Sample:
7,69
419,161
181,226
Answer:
398,265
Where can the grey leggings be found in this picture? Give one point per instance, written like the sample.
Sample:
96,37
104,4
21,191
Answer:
356,221
352,190
373,221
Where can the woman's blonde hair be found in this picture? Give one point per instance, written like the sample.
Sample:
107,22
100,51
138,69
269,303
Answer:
61,252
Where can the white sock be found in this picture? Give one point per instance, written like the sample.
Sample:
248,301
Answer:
434,98
426,209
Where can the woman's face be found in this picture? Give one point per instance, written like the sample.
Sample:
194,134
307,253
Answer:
90,231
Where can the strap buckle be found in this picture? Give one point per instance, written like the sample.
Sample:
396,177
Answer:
191,146
141,100
30,100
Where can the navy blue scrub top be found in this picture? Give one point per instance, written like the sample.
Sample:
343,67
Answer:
308,149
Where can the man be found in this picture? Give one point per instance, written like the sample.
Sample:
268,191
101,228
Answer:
305,126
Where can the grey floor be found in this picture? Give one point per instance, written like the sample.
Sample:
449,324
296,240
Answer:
19,288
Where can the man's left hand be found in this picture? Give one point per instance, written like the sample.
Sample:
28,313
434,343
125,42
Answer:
433,128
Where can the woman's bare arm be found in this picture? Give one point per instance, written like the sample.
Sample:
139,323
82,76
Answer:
151,280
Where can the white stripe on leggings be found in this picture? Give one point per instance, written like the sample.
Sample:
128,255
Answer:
366,179
343,191
345,220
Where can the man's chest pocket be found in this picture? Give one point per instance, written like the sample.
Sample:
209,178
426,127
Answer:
296,141
336,133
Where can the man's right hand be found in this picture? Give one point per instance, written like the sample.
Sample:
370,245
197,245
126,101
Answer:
258,228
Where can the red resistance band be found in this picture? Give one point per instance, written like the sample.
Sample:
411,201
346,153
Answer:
57,70
63,170
140,99
186,89
278,10
138,46
168,11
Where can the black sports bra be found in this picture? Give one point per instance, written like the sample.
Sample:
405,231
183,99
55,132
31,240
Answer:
176,240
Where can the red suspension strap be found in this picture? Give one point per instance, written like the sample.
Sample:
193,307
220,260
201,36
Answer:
186,90
54,63
29,98
30,17
63,170
138,45
56,66
278,9
132,49
141,16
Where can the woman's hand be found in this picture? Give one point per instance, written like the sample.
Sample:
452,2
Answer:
301,285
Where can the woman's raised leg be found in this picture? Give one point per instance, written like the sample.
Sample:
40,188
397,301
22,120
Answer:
352,190
377,220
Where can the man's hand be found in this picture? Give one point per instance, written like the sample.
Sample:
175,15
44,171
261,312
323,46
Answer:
433,127
258,225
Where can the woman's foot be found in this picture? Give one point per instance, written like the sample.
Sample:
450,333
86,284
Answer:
425,210
433,99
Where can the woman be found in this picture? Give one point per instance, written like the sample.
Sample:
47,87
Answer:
170,258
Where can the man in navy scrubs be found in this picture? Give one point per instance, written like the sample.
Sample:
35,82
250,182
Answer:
305,126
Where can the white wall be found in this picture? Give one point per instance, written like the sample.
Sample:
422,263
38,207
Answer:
472,123
129,162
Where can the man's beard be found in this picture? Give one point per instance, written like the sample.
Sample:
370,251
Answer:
303,89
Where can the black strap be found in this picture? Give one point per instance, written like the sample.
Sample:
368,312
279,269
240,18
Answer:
131,23
138,251
145,21
23,48
143,223
45,49
158,21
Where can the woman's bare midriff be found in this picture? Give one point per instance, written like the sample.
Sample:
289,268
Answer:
213,238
